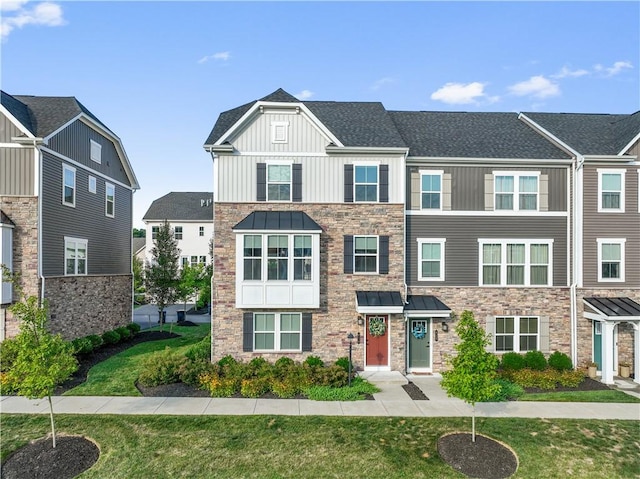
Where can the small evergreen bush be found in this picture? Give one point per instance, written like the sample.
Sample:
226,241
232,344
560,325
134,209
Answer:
201,350
96,341
512,361
111,337
314,362
344,364
162,367
82,346
560,361
259,366
284,363
254,387
227,360
124,332
134,328
191,371
332,376
535,360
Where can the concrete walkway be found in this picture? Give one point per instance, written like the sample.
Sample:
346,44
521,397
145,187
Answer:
391,401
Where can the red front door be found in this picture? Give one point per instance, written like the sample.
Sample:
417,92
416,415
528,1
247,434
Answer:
377,333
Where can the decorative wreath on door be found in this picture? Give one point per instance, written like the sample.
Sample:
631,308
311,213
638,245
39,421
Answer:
377,327
418,331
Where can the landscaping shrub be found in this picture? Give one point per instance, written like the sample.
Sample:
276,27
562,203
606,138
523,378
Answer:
124,332
285,388
82,346
508,391
218,386
259,367
134,328
254,387
547,379
201,350
535,360
284,363
9,349
331,376
314,362
227,360
570,378
96,341
358,390
162,367
111,337
512,361
344,364
560,361
191,371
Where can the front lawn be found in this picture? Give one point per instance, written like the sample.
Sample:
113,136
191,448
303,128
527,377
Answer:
581,396
301,447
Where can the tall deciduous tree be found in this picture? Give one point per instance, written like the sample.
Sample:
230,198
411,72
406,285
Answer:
190,282
161,275
473,373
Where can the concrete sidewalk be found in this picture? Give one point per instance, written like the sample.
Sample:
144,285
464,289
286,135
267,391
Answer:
391,401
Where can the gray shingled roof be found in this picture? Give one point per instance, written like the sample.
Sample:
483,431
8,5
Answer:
278,221
472,135
19,110
364,124
590,134
138,244
181,206
615,307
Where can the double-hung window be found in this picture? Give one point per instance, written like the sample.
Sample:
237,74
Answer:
365,254
278,182
177,232
611,259
517,333
277,332
93,184
431,190
516,191
154,231
366,183
283,252
194,261
75,256
302,257
110,199
252,257
68,185
515,262
277,257
431,259
611,191
201,231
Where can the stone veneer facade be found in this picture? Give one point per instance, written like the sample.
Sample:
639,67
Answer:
336,317
553,303
23,211
83,305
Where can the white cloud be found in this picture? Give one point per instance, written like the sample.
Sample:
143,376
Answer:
459,93
566,72
381,82
616,68
537,86
45,13
224,56
304,95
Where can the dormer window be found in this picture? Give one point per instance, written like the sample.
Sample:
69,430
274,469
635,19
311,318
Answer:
279,132
96,151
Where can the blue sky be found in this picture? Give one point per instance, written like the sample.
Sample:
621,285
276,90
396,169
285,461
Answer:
159,73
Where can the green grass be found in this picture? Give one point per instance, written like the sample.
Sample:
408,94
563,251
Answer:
117,375
581,396
358,390
301,447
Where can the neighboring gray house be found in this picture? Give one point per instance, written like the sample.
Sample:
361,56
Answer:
66,188
339,217
191,217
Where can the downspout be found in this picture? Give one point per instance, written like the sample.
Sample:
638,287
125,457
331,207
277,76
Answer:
38,187
213,245
577,256
133,286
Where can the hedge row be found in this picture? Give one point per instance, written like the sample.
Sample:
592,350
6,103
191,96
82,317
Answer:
88,344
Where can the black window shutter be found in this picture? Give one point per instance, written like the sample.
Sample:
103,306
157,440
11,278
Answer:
348,183
296,176
348,254
247,332
384,183
306,331
383,255
262,182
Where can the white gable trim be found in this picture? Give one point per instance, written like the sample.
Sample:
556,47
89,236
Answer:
14,120
629,145
553,138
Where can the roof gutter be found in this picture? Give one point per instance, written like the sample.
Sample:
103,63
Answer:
367,150
210,149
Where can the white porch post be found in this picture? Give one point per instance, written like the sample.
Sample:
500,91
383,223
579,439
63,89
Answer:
607,352
636,352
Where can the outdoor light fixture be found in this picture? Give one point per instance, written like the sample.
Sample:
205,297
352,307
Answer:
360,321
445,327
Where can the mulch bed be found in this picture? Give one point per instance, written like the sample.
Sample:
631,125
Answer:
39,460
414,392
484,458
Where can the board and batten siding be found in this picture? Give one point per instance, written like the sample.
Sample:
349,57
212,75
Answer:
17,173
302,135
74,142
468,185
611,225
322,177
109,239
462,248
8,129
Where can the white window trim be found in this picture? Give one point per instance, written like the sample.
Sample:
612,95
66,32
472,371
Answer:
516,189
66,168
106,200
277,332
441,242
621,242
377,255
279,163
264,258
95,151
611,171
86,259
439,173
175,233
93,182
516,333
527,262
365,163
282,126
154,234
200,231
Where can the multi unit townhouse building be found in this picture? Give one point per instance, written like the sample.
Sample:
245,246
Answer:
190,215
66,188
334,218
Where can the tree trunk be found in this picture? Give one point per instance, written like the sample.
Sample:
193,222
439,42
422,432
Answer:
53,424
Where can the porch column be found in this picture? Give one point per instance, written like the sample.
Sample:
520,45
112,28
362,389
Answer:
607,352
636,352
